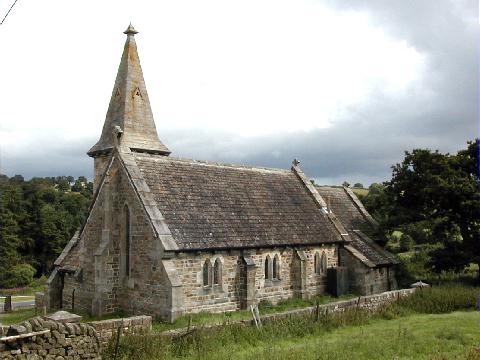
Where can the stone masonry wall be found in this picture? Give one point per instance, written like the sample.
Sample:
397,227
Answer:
364,280
105,286
227,296
370,303
106,329
46,339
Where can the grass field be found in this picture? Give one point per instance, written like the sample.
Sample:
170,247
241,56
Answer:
433,323
16,316
419,336
17,299
444,336
38,285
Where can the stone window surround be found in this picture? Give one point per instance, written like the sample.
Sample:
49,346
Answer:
207,273
270,260
217,272
323,263
320,263
126,274
316,263
211,286
127,224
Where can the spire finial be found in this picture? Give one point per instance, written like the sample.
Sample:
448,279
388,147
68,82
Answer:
130,30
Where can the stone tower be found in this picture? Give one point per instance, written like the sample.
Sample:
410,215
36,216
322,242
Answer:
130,110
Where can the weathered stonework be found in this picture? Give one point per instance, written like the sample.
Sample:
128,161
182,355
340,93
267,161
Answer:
46,339
40,338
168,236
104,286
230,294
365,280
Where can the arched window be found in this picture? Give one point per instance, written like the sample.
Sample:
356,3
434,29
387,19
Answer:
276,267
217,272
207,266
317,267
323,263
127,240
267,267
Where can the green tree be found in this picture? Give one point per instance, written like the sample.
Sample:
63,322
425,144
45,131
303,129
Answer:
37,219
434,198
406,243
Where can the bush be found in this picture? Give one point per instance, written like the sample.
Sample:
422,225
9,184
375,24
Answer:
406,243
440,299
18,275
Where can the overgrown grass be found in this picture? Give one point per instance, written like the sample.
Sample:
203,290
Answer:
37,285
350,335
265,308
406,329
440,299
16,316
200,343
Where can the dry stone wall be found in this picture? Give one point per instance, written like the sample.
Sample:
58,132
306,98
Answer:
47,339
106,329
38,338
371,303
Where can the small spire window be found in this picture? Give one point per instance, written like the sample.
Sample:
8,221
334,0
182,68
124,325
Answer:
137,92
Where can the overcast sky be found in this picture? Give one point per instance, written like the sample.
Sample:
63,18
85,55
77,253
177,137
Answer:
344,86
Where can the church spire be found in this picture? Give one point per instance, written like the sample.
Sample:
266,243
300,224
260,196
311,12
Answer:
129,108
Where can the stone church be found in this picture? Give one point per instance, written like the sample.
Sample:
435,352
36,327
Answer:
167,236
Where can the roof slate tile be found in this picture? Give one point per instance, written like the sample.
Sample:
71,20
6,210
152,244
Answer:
209,206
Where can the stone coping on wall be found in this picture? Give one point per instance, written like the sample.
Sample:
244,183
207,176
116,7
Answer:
141,320
369,302
106,329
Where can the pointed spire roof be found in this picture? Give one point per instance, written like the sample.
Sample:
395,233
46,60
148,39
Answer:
129,107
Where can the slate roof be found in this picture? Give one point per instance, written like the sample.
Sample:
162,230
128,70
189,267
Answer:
344,205
213,206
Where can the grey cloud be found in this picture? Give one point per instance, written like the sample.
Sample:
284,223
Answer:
362,143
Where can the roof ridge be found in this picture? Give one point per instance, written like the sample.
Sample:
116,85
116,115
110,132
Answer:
210,163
